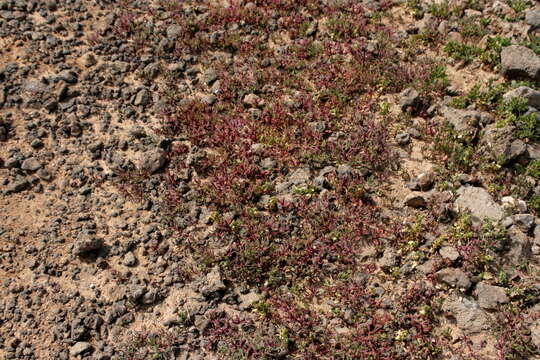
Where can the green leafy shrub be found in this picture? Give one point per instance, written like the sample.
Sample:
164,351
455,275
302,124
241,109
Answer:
483,99
456,151
462,51
472,27
534,169
440,10
491,55
518,5
533,43
474,5
514,112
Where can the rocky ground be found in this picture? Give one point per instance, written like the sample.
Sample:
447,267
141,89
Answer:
307,179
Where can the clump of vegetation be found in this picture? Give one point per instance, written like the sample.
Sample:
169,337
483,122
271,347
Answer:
519,6
292,330
513,336
415,6
524,188
533,43
533,169
482,97
473,28
457,151
441,10
461,51
490,55
153,345
515,112
479,247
